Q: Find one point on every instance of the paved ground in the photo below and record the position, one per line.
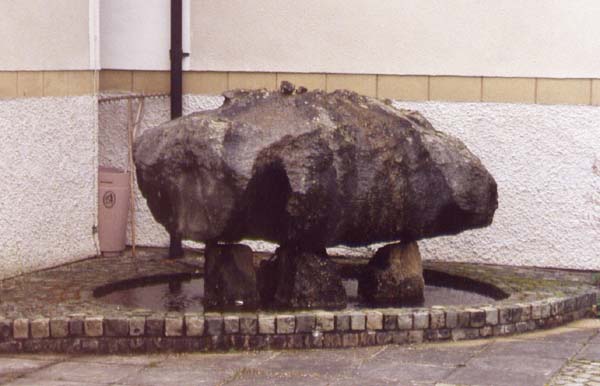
(568, 355)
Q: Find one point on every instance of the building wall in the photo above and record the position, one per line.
(136, 34)
(514, 80)
(429, 52)
(509, 38)
(546, 161)
(48, 133)
(48, 159)
(48, 35)
(544, 38)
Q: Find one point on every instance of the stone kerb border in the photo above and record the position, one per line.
(319, 329)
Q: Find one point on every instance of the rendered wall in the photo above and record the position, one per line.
(546, 161)
(136, 34)
(48, 132)
(543, 158)
(47, 35)
(533, 38)
(48, 162)
(544, 38)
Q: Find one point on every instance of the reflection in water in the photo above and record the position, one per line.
(176, 295)
(186, 295)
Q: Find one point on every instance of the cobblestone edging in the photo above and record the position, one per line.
(244, 331)
(56, 311)
(578, 372)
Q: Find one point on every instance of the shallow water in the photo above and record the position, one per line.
(186, 295)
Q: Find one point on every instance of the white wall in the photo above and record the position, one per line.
(533, 38)
(48, 163)
(546, 161)
(48, 145)
(543, 38)
(47, 35)
(136, 34)
(541, 156)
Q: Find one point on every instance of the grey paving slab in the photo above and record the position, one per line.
(318, 362)
(388, 372)
(39, 357)
(196, 369)
(446, 356)
(358, 381)
(29, 382)
(151, 376)
(535, 349)
(227, 361)
(596, 338)
(6, 379)
(98, 373)
(561, 334)
(15, 366)
(496, 377)
(516, 363)
(278, 379)
(141, 360)
(590, 352)
(500, 370)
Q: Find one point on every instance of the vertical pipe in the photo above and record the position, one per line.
(176, 58)
(177, 55)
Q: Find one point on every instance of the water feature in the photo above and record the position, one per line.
(181, 293)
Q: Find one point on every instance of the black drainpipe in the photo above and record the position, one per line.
(177, 55)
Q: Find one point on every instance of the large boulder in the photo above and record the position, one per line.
(307, 170)
(311, 168)
(394, 276)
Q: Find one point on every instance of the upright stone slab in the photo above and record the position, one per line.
(229, 277)
(297, 279)
(394, 276)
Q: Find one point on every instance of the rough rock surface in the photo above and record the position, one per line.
(296, 278)
(308, 170)
(394, 276)
(314, 168)
(229, 277)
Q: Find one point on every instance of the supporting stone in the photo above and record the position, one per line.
(300, 279)
(175, 246)
(394, 276)
(229, 278)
